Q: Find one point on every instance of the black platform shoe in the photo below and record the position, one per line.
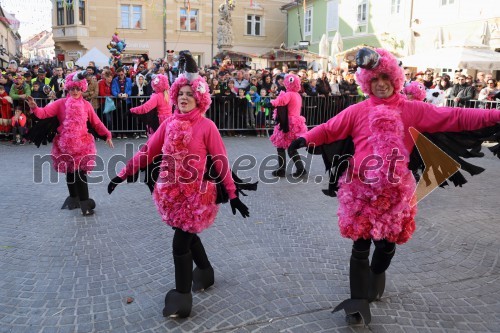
(202, 278)
(279, 173)
(179, 301)
(177, 304)
(87, 207)
(71, 203)
(357, 308)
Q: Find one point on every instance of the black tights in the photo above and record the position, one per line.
(77, 185)
(382, 256)
(184, 242)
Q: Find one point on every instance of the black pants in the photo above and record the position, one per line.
(77, 185)
(185, 242)
(382, 256)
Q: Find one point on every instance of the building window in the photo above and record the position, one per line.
(70, 12)
(254, 26)
(308, 21)
(333, 15)
(131, 17)
(81, 12)
(362, 12)
(447, 2)
(60, 12)
(395, 7)
(362, 17)
(189, 20)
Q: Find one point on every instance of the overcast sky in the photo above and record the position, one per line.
(34, 15)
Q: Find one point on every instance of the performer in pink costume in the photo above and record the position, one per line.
(414, 91)
(158, 100)
(185, 200)
(377, 203)
(290, 125)
(73, 149)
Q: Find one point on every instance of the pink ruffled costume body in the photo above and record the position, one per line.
(386, 208)
(183, 198)
(296, 122)
(158, 101)
(73, 147)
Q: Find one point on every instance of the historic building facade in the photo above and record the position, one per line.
(154, 26)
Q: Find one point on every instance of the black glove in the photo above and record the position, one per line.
(297, 144)
(236, 204)
(114, 183)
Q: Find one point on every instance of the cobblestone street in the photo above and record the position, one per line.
(281, 270)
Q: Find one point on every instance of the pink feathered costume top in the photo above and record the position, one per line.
(73, 147)
(157, 100)
(385, 209)
(183, 198)
(296, 123)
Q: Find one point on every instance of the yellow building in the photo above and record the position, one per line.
(154, 26)
(10, 40)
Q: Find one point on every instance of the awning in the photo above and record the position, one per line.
(455, 58)
(289, 54)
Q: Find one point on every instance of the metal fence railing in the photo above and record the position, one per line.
(234, 115)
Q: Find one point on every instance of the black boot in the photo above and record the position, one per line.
(179, 301)
(300, 171)
(87, 205)
(281, 171)
(380, 262)
(377, 286)
(357, 308)
(71, 202)
(203, 274)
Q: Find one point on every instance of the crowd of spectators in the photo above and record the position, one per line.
(239, 95)
(464, 90)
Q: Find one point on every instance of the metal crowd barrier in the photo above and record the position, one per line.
(233, 115)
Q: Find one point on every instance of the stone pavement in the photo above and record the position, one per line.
(281, 270)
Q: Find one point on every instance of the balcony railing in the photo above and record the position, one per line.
(70, 32)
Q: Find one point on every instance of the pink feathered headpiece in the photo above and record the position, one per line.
(160, 83)
(415, 91)
(80, 83)
(292, 82)
(371, 63)
(200, 90)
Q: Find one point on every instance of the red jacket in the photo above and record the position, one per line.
(104, 89)
(21, 121)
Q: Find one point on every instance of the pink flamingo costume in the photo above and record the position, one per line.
(282, 137)
(73, 149)
(185, 200)
(159, 100)
(378, 203)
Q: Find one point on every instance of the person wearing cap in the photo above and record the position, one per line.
(73, 149)
(20, 90)
(253, 98)
(377, 203)
(41, 77)
(185, 199)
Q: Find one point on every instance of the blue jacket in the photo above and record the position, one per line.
(115, 88)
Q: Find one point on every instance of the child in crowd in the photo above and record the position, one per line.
(241, 105)
(5, 112)
(261, 113)
(253, 98)
(273, 92)
(18, 123)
